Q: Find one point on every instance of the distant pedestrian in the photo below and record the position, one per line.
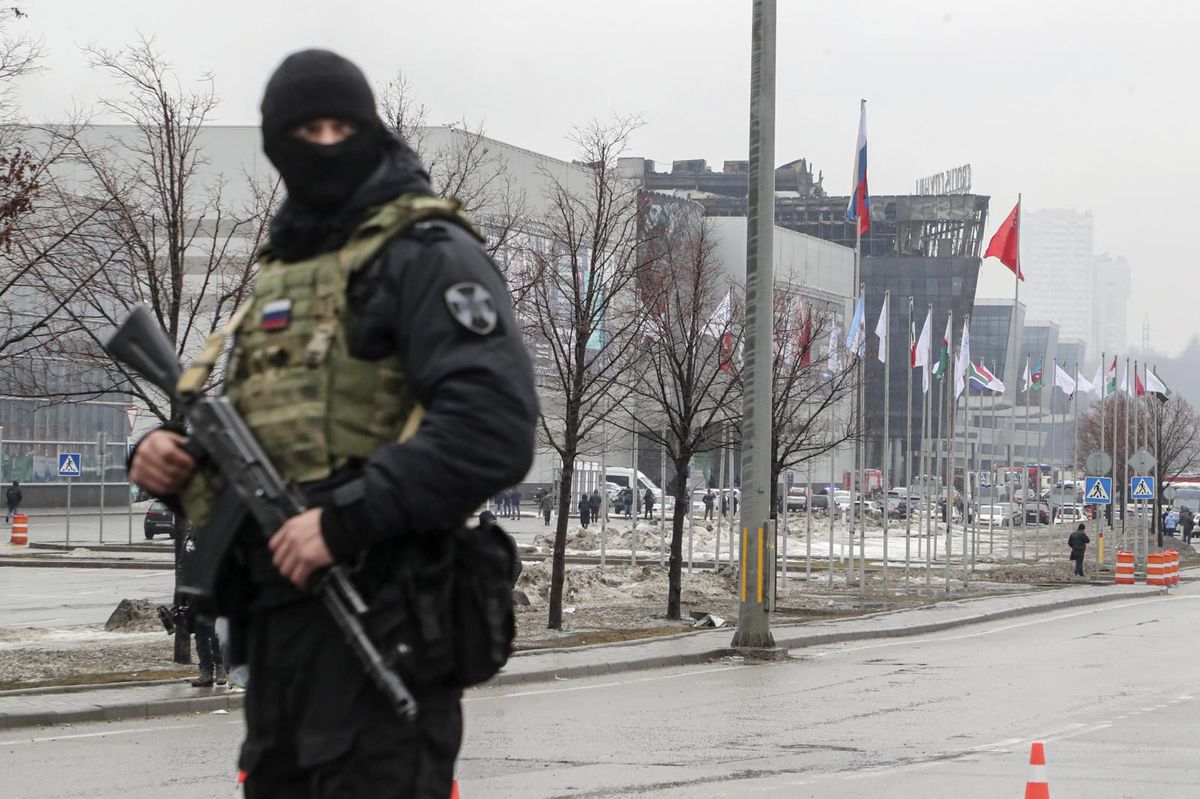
(13, 497)
(710, 500)
(1188, 522)
(1078, 543)
(585, 510)
(648, 503)
(547, 507)
(596, 503)
(1170, 522)
(208, 650)
(516, 503)
(627, 502)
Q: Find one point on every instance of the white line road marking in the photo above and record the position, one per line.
(97, 734)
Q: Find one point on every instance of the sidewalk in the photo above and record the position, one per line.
(146, 700)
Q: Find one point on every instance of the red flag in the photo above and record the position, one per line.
(806, 338)
(1138, 385)
(726, 356)
(1005, 244)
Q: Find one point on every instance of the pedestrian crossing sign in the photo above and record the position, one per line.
(1141, 487)
(1097, 490)
(69, 464)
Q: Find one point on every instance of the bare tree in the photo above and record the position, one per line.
(1174, 426)
(469, 168)
(159, 230)
(688, 379)
(807, 386)
(586, 315)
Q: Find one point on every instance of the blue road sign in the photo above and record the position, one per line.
(1097, 490)
(69, 464)
(1141, 487)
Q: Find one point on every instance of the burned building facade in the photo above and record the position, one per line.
(926, 248)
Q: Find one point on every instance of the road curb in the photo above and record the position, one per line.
(124, 710)
(32, 562)
(227, 700)
(797, 642)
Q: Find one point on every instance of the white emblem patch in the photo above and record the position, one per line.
(472, 307)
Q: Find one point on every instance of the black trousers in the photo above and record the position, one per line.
(1079, 567)
(317, 728)
(208, 647)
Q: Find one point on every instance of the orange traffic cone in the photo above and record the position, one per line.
(454, 789)
(1037, 787)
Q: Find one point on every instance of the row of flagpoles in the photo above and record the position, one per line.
(1005, 247)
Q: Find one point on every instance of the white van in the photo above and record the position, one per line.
(623, 475)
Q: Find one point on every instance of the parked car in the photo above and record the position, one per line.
(999, 514)
(869, 507)
(898, 507)
(1070, 514)
(1037, 514)
(841, 500)
(797, 499)
(820, 502)
(159, 521)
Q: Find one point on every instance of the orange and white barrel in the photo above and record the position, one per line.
(1172, 573)
(20, 530)
(1124, 574)
(1154, 568)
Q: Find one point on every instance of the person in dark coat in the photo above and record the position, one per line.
(585, 511)
(648, 503)
(1078, 543)
(1188, 522)
(547, 506)
(12, 499)
(710, 499)
(596, 503)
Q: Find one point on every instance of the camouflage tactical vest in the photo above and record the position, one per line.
(310, 403)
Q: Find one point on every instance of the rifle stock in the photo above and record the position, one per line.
(253, 485)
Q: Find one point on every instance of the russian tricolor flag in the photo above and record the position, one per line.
(859, 209)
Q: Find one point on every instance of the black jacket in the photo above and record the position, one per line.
(477, 391)
(1078, 543)
(13, 495)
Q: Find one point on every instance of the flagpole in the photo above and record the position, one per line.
(992, 477)
(1115, 432)
(852, 511)
(1053, 451)
(908, 455)
(927, 457)
(861, 508)
(887, 415)
(1129, 386)
(1137, 427)
(966, 432)
(1103, 448)
(952, 407)
(1025, 469)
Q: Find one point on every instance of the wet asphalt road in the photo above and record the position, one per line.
(1110, 689)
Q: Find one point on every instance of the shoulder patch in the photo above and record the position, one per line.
(473, 307)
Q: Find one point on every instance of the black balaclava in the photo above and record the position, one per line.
(315, 84)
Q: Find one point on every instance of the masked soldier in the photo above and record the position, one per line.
(380, 367)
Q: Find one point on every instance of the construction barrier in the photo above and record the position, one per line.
(1037, 787)
(1124, 574)
(1171, 572)
(1155, 568)
(20, 530)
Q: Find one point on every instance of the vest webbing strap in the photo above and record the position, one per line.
(192, 381)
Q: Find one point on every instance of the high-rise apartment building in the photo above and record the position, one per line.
(1057, 259)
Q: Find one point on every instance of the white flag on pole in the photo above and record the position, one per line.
(881, 330)
(1025, 378)
(718, 323)
(1064, 380)
(1083, 385)
(921, 358)
(835, 352)
(1098, 381)
(963, 363)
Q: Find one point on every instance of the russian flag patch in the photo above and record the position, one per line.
(276, 315)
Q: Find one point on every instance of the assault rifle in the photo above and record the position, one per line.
(219, 436)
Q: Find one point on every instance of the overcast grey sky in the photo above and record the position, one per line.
(1077, 104)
